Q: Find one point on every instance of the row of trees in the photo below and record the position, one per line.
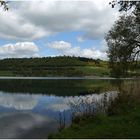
(47, 66)
(123, 39)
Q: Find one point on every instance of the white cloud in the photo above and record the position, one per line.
(13, 122)
(18, 101)
(59, 45)
(20, 49)
(13, 26)
(67, 49)
(59, 105)
(32, 20)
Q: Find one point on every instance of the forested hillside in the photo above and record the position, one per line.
(53, 66)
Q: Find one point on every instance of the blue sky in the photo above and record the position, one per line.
(75, 28)
(71, 37)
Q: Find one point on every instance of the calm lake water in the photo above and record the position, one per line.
(30, 108)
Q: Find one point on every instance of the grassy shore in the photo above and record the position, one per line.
(103, 126)
(122, 119)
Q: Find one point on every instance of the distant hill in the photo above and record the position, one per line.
(53, 66)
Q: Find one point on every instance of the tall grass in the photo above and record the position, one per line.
(110, 103)
(61, 121)
(83, 107)
(127, 99)
(89, 106)
(110, 116)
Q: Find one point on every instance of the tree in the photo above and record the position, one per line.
(127, 5)
(124, 39)
(124, 5)
(4, 5)
(122, 47)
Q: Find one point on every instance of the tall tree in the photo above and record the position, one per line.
(126, 6)
(124, 38)
(121, 47)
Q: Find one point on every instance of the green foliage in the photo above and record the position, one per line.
(124, 5)
(6, 73)
(53, 66)
(122, 47)
(124, 39)
(94, 70)
(122, 105)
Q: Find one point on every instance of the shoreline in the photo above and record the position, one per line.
(67, 78)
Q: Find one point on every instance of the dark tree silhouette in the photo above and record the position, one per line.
(4, 5)
(124, 5)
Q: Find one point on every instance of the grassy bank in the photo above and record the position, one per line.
(121, 120)
(103, 126)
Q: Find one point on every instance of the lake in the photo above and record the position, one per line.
(31, 107)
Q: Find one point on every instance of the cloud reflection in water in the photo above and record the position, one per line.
(18, 101)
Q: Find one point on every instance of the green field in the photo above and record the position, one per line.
(6, 73)
(94, 70)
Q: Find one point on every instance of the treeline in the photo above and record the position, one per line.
(46, 66)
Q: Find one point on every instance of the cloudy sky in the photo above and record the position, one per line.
(52, 28)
